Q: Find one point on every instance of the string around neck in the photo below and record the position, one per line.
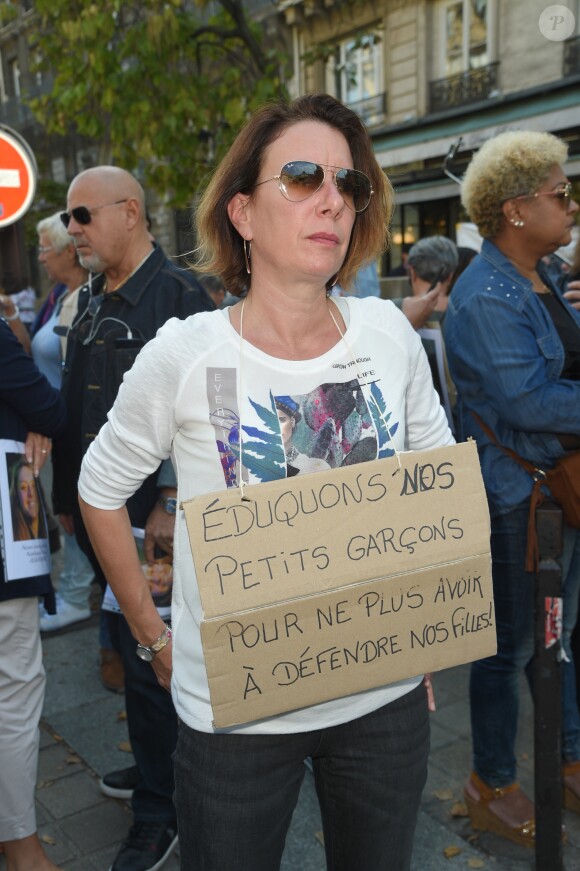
(240, 429)
(358, 374)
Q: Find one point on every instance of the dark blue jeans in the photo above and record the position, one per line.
(235, 794)
(152, 725)
(495, 681)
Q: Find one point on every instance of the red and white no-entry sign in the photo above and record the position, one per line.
(17, 176)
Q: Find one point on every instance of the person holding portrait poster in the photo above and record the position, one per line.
(31, 414)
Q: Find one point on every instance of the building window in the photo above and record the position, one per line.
(466, 36)
(15, 71)
(58, 170)
(38, 76)
(466, 70)
(354, 74)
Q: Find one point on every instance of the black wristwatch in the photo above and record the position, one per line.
(169, 504)
(147, 654)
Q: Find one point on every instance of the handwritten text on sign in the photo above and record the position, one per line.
(327, 584)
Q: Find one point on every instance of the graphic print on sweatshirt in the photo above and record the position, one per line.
(334, 425)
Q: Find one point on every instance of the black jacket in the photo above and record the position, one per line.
(105, 337)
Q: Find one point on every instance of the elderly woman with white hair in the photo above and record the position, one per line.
(513, 344)
(57, 253)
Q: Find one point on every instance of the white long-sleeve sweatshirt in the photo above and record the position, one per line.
(188, 394)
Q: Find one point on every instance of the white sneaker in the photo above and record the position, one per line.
(65, 615)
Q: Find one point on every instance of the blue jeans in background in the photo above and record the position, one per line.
(495, 681)
(75, 579)
(235, 794)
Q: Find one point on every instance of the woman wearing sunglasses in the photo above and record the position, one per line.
(513, 345)
(298, 203)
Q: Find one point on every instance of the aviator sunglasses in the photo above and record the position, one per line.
(301, 179)
(83, 215)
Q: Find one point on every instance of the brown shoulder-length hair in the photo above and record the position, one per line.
(220, 247)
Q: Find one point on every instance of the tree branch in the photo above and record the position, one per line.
(236, 10)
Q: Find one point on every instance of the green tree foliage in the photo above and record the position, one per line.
(161, 85)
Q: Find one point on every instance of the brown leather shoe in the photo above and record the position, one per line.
(571, 798)
(486, 820)
(112, 671)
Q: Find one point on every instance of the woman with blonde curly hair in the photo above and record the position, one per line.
(298, 203)
(513, 343)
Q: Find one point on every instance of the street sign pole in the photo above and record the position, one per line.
(547, 690)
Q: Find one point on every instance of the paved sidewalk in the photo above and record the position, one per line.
(83, 735)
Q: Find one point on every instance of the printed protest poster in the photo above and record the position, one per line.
(23, 529)
(159, 575)
(324, 585)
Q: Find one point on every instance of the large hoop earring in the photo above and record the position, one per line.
(247, 254)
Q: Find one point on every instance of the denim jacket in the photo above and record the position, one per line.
(506, 358)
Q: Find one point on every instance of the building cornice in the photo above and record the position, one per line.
(430, 136)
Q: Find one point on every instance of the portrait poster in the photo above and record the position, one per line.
(23, 529)
(433, 343)
(159, 575)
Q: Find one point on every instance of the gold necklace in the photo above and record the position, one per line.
(117, 286)
(537, 284)
(127, 277)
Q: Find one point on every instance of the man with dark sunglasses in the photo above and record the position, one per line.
(133, 289)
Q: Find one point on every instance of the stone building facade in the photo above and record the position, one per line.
(423, 73)
(420, 73)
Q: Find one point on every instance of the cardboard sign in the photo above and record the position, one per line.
(324, 585)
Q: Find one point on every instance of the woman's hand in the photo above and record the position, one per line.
(7, 307)
(430, 694)
(37, 450)
(163, 666)
(418, 309)
(572, 294)
(8, 310)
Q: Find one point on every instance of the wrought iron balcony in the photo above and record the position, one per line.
(572, 56)
(372, 111)
(469, 87)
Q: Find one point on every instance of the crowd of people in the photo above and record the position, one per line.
(115, 383)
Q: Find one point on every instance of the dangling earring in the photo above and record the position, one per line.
(330, 284)
(247, 254)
